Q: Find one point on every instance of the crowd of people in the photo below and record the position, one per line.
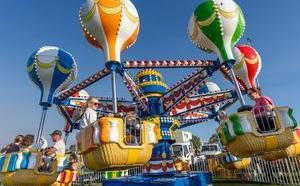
(25, 143)
(21, 143)
(85, 117)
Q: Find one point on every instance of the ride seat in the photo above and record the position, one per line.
(240, 133)
(103, 144)
(21, 168)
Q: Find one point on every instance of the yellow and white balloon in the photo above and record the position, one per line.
(110, 25)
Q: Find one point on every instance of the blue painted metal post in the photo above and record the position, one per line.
(114, 91)
(229, 64)
(114, 67)
(41, 125)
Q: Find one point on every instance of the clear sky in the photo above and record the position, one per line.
(27, 25)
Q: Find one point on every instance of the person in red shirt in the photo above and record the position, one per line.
(262, 110)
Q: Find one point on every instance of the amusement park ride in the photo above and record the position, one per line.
(157, 110)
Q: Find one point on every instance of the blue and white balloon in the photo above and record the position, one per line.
(209, 87)
(52, 70)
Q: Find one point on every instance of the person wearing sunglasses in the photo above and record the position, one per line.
(90, 112)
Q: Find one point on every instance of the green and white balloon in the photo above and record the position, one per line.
(216, 26)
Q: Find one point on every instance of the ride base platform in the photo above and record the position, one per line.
(189, 179)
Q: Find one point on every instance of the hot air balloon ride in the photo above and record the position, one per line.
(158, 110)
(113, 26)
(247, 67)
(216, 26)
(241, 133)
(52, 70)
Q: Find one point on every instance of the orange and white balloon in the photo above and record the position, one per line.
(110, 25)
(248, 65)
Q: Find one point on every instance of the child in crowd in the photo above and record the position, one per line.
(27, 143)
(72, 163)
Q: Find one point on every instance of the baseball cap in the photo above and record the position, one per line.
(58, 132)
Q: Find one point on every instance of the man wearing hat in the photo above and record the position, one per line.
(57, 150)
(58, 146)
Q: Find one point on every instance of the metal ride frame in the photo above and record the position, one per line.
(180, 102)
(181, 93)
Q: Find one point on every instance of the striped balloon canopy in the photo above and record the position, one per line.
(110, 25)
(216, 26)
(52, 70)
(209, 87)
(248, 65)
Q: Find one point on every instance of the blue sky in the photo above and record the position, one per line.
(27, 25)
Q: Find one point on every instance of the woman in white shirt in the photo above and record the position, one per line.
(90, 113)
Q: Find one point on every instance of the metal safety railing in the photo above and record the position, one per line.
(265, 119)
(132, 131)
(282, 172)
(89, 178)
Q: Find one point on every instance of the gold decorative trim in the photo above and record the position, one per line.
(207, 21)
(229, 15)
(252, 61)
(153, 83)
(153, 95)
(62, 69)
(111, 11)
(131, 17)
(195, 31)
(51, 64)
(239, 65)
(147, 73)
(107, 10)
(46, 65)
(90, 14)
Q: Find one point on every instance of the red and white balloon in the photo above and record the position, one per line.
(248, 65)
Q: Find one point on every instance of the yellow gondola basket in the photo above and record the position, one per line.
(240, 133)
(231, 162)
(13, 174)
(292, 151)
(103, 146)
